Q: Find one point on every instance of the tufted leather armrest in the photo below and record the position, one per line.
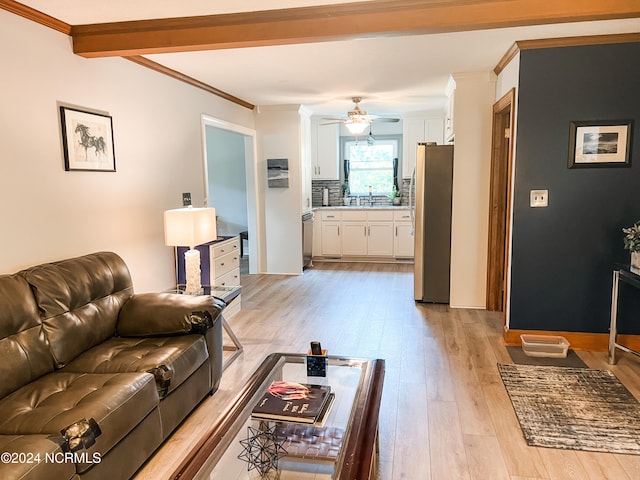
(153, 314)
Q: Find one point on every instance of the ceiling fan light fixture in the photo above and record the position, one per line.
(356, 127)
(357, 119)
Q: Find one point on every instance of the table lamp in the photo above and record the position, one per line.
(190, 227)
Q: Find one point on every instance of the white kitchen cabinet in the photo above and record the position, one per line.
(331, 245)
(325, 150)
(330, 233)
(352, 233)
(367, 232)
(373, 239)
(380, 239)
(449, 130)
(354, 238)
(380, 232)
(403, 234)
(418, 130)
(306, 167)
(354, 227)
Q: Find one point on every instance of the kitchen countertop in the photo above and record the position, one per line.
(363, 207)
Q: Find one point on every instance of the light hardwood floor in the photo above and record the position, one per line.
(445, 414)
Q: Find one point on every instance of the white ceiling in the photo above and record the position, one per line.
(394, 75)
(79, 12)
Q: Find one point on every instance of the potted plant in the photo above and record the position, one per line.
(395, 196)
(345, 193)
(632, 242)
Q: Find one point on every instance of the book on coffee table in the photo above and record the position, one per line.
(293, 402)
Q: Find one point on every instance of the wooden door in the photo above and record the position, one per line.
(500, 201)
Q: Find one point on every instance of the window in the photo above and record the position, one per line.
(371, 164)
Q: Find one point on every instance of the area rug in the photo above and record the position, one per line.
(573, 408)
(572, 359)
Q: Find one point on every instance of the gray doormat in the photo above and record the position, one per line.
(572, 359)
(573, 408)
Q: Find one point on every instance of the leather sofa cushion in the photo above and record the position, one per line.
(40, 459)
(79, 300)
(25, 353)
(118, 402)
(150, 314)
(180, 355)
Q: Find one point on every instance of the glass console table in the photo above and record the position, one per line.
(631, 276)
(357, 385)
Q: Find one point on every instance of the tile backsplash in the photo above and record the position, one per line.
(335, 194)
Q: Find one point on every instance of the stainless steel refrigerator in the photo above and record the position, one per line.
(431, 214)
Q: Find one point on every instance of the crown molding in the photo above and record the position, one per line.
(145, 62)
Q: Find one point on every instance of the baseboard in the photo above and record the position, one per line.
(363, 259)
(595, 342)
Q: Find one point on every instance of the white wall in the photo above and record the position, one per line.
(474, 99)
(507, 79)
(278, 129)
(49, 214)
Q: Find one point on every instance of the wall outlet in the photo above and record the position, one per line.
(186, 199)
(539, 198)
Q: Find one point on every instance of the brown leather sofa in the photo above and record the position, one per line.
(94, 377)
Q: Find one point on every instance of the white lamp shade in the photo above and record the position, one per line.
(356, 127)
(190, 226)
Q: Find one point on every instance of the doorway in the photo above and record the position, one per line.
(230, 186)
(500, 202)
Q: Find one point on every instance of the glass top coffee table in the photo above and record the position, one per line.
(350, 426)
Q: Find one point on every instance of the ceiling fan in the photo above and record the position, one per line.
(357, 119)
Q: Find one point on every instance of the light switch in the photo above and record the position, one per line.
(539, 198)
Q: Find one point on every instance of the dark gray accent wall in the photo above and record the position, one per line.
(563, 255)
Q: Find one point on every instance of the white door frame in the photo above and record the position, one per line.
(254, 210)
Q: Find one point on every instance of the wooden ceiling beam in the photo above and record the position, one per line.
(334, 22)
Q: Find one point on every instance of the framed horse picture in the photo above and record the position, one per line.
(87, 140)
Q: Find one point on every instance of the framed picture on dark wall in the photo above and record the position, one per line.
(87, 140)
(600, 144)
